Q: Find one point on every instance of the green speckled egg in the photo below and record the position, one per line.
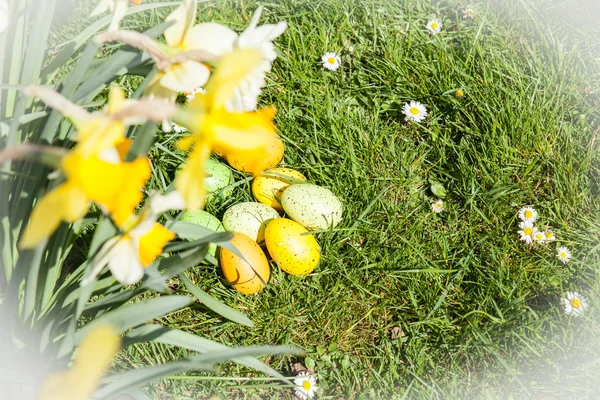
(249, 218)
(206, 220)
(312, 206)
(218, 176)
(296, 252)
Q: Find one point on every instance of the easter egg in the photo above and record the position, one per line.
(267, 189)
(206, 220)
(314, 207)
(248, 276)
(218, 176)
(295, 253)
(249, 218)
(256, 161)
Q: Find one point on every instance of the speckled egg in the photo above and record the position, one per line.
(206, 220)
(257, 161)
(218, 176)
(295, 253)
(248, 276)
(249, 218)
(267, 188)
(314, 207)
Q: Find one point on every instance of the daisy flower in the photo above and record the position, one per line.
(177, 128)
(192, 95)
(331, 61)
(574, 304)
(563, 254)
(305, 386)
(437, 206)
(467, 13)
(460, 93)
(527, 214)
(550, 236)
(434, 26)
(539, 236)
(414, 111)
(527, 231)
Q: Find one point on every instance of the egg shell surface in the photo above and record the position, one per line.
(267, 189)
(248, 276)
(218, 176)
(314, 207)
(206, 220)
(294, 251)
(258, 160)
(249, 218)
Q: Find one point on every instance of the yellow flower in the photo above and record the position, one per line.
(82, 379)
(114, 187)
(214, 128)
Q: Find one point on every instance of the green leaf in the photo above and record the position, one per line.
(310, 363)
(437, 189)
(136, 314)
(215, 304)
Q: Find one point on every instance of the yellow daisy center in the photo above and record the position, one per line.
(414, 110)
(434, 26)
(306, 385)
(528, 214)
(549, 235)
(563, 254)
(576, 303)
(331, 60)
(539, 236)
(528, 231)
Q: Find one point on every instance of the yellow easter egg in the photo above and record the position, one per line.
(267, 188)
(294, 251)
(256, 161)
(248, 276)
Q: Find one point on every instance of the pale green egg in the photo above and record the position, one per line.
(249, 218)
(206, 220)
(218, 177)
(312, 206)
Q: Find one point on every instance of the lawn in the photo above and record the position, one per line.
(407, 303)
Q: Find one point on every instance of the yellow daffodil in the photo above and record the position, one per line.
(93, 358)
(140, 243)
(116, 187)
(214, 128)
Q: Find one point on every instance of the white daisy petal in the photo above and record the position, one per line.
(563, 254)
(331, 61)
(527, 231)
(434, 26)
(528, 214)
(437, 206)
(467, 13)
(306, 387)
(574, 304)
(414, 111)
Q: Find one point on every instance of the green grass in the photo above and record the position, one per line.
(406, 303)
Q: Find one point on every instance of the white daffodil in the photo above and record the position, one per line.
(4, 15)
(305, 386)
(527, 231)
(331, 61)
(437, 206)
(142, 240)
(563, 254)
(528, 214)
(434, 26)
(414, 111)
(574, 304)
(117, 7)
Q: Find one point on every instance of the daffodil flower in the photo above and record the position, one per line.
(117, 7)
(216, 129)
(142, 240)
(93, 359)
(4, 15)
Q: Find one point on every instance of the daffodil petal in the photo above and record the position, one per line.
(152, 243)
(233, 68)
(185, 77)
(120, 7)
(67, 203)
(93, 358)
(98, 135)
(102, 7)
(211, 37)
(125, 263)
(184, 17)
(116, 99)
(104, 255)
(241, 131)
(190, 180)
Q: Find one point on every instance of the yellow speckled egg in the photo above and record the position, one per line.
(267, 188)
(258, 160)
(312, 206)
(247, 276)
(295, 253)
